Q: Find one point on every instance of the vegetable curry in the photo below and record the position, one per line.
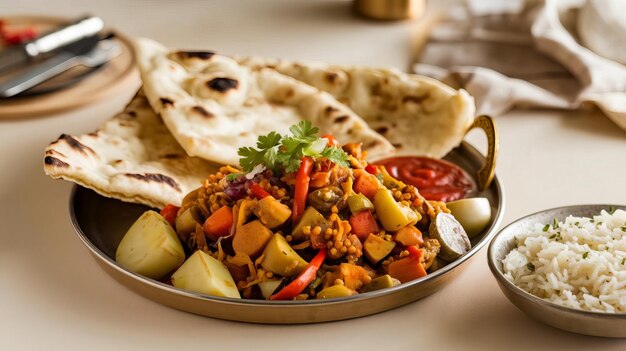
(301, 218)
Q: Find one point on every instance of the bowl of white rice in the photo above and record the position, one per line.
(566, 267)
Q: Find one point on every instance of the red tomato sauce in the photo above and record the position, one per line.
(435, 179)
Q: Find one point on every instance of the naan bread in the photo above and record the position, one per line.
(418, 115)
(132, 157)
(212, 105)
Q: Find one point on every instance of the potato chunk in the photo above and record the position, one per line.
(377, 248)
(150, 247)
(204, 274)
(272, 212)
(280, 258)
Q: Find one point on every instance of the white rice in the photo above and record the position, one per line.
(580, 263)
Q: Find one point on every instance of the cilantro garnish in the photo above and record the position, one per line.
(546, 227)
(276, 152)
(530, 266)
(586, 254)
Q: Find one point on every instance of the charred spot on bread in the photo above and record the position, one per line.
(222, 84)
(171, 156)
(330, 109)
(155, 177)
(54, 152)
(382, 130)
(93, 134)
(53, 161)
(372, 144)
(331, 77)
(397, 145)
(415, 99)
(202, 111)
(166, 102)
(202, 55)
(75, 144)
(132, 113)
(341, 119)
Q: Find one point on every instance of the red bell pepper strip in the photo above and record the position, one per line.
(169, 212)
(331, 140)
(258, 191)
(302, 188)
(305, 278)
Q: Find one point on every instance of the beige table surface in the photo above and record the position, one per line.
(54, 296)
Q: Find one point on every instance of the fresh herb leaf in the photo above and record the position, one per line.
(268, 141)
(577, 224)
(552, 236)
(546, 227)
(612, 209)
(624, 229)
(250, 157)
(530, 266)
(586, 254)
(278, 152)
(336, 155)
(623, 260)
(304, 131)
(555, 224)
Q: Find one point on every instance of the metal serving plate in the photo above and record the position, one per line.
(562, 317)
(91, 215)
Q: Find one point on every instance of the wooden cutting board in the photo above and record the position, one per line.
(116, 76)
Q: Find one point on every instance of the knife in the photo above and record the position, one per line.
(49, 42)
(88, 52)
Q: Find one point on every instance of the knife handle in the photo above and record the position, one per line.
(38, 74)
(83, 28)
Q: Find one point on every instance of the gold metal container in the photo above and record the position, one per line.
(390, 10)
(91, 215)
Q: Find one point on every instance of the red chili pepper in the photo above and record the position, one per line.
(169, 212)
(331, 140)
(371, 169)
(305, 278)
(258, 191)
(302, 188)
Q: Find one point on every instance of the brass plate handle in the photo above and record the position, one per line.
(484, 176)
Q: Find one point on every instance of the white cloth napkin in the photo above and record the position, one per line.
(523, 54)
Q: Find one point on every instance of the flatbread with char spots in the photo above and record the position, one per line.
(418, 115)
(132, 157)
(212, 105)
